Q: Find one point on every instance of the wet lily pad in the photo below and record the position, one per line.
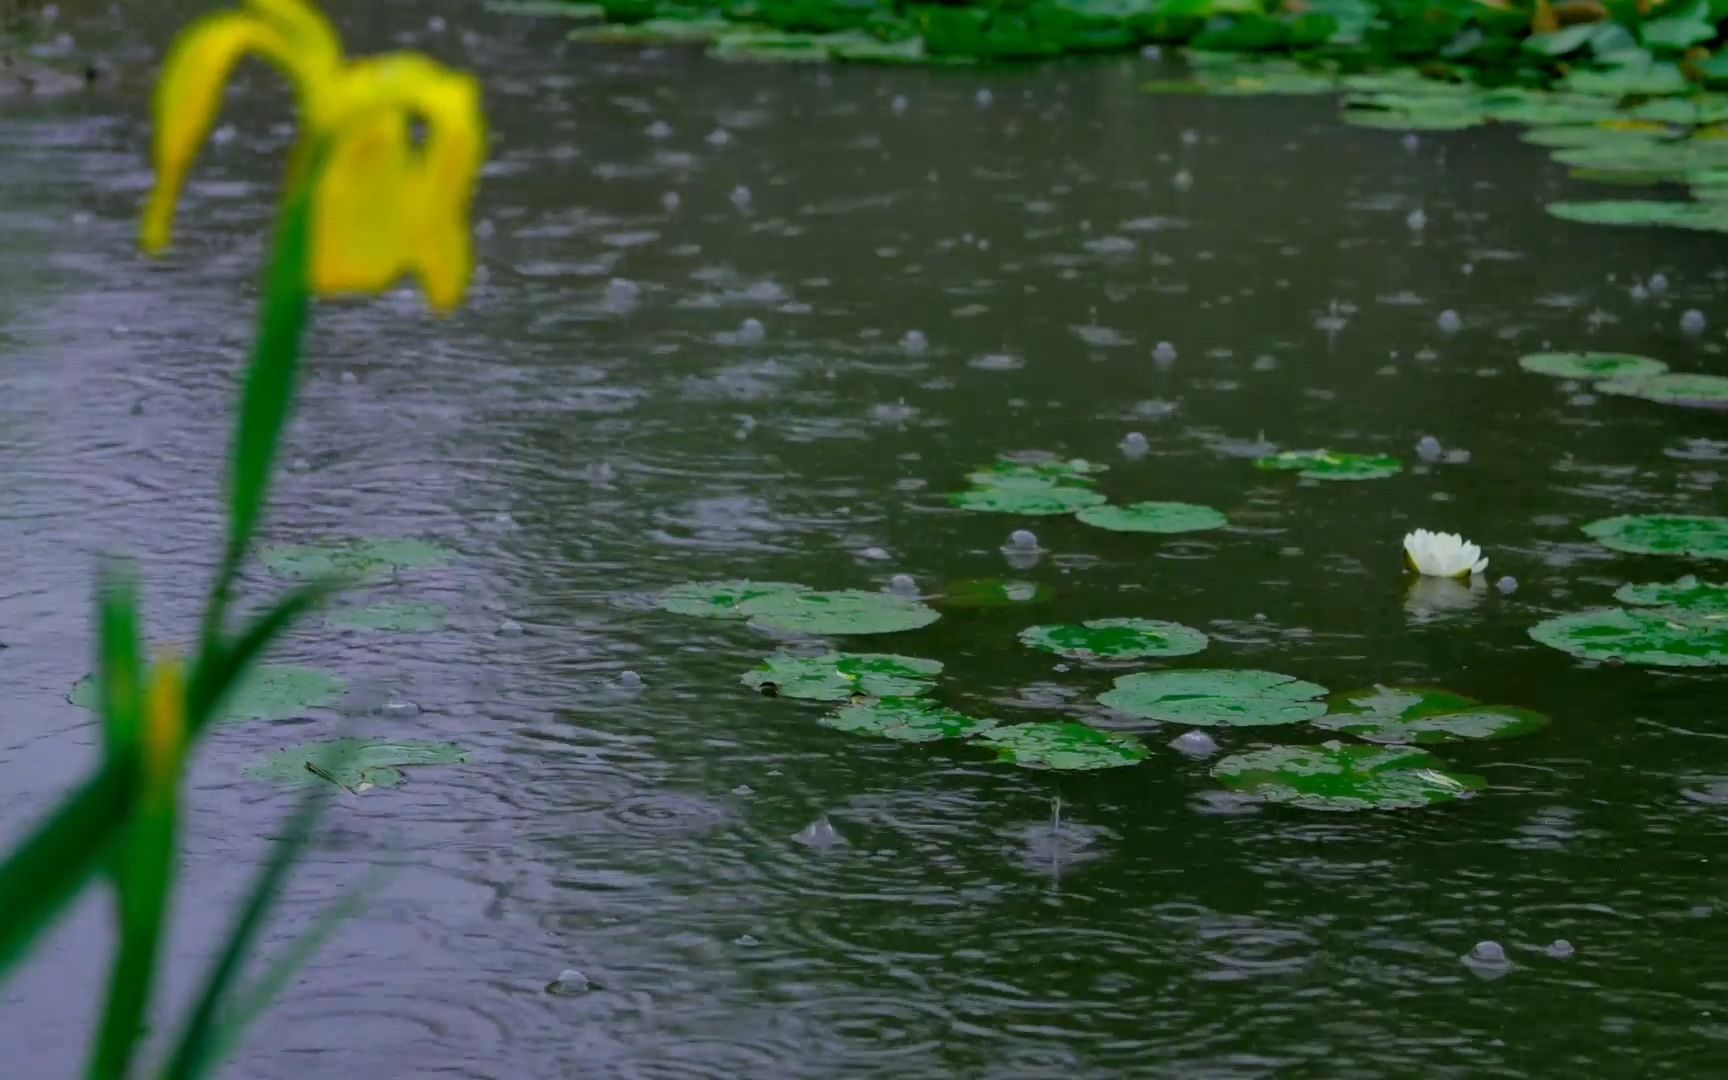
(1661, 637)
(848, 611)
(1115, 639)
(408, 618)
(654, 32)
(1385, 714)
(1591, 365)
(1329, 465)
(1154, 517)
(1208, 697)
(265, 692)
(1664, 534)
(1049, 470)
(1673, 388)
(356, 765)
(843, 676)
(1032, 499)
(721, 599)
(1686, 594)
(363, 559)
(1335, 776)
(1064, 747)
(1702, 217)
(990, 593)
(906, 720)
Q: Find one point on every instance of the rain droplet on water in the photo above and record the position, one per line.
(1449, 322)
(914, 343)
(1639, 293)
(399, 710)
(740, 196)
(622, 294)
(629, 680)
(509, 628)
(569, 981)
(1561, 949)
(1190, 137)
(1487, 959)
(1152, 52)
(1164, 352)
(1692, 322)
(984, 97)
(670, 200)
(1428, 448)
(1022, 539)
(751, 331)
(1417, 220)
(874, 553)
(902, 585)
(1183, 180)
(819, 834)
(1194, 744)
(659, 129)
(1411, 142)
(1658, 284)
(899, 104)
(1507, 585)
(719, 137)
(1134, 444)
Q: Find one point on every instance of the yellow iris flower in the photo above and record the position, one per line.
(382, 205)
(164, 723)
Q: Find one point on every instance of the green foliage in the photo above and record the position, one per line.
(905, 720)
(844, 676)
(1330, 465)
(1208, 697)
(1115, 639)
(1063, 747)
(1336, 776)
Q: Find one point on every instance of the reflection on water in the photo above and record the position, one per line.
(769, 355)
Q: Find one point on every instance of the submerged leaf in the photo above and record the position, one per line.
(1154, 517)
(1334, 776)
(1115, 639)
(905, 720)
(1327, 465)
(409, 618)
(721, 599)
(848, 611)
(1591, 365)
(1662, 637)
(1696, 535)
(355, 559)
(841, 676)
(1064, 747)
(353, 764)
(1207, 697)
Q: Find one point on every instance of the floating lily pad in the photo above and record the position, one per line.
(356, 559)
(842, 676)
(409, 618)
(1673, 388)
(1115, 639)
(1066, 747)
(1386, 714)
(265, 692)
(1662, 637)
(905, 720)
(848, 611)
(755, 44)
(1591, 365)
(1031, 499)
(354, 764)
(1686, 594)
(1207, 697)
(1334, 776)
(991, 592)
(1049, 470)
(1328, 465)
(1664, 534)
(1701, 217)
(655, 32)
(1154, 517)
(721, 599)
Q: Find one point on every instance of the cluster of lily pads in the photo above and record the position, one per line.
(276, 692)
(1035, 486)
(892, 696)
(1629, 375)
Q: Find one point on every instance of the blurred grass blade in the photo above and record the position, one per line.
(144, 875)
(220, 664)
(118, 664)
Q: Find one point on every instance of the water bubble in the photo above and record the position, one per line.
(629, 680)
(503, 520)
(1639, 293)
(1487, 960)
(1190, 137)
(659, 129)
(1561, 949)
(1417, 220)
(819, 834)
(743, 789)
(1507, 585)
(1428, 448)
(751, 331)
(876, 553)
(349, 378)
(437, 25)
(747, 940)
(622, 294)
(1022, 539)
(1194, 744)
(670, 200)
(984, 97)
(1152, 52)
(299, 464)
(1658, 284)
(902, 585)
(1692, 322)
(719, 137)
(899, 104)
(1411, 142)
(741, 197)
(1183, 180)
(914, 343)
(569, 981)
(1449, 322)
(509, 628)
(1164, 352)
(399, 710)
(1134, 444)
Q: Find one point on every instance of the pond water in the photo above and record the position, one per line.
(583, 444)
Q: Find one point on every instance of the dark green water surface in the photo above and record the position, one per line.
(583, 445)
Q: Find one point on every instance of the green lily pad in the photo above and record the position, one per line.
(721, 599)
(1696, 535)
(1672, 388)
(1386, 714)
(546, 9)
(354, 764)
(1662, 637)
(991, 593)
(1207, 697)
(1327, 465)
(1687, 594)
(1591, 365)
(363, 559)
(409, 618)
(1154, 517)
(1335, 776)
(848, 611)
(1703, 217)
(757, 44)
(1030, 499)
(1064, 747)
(1115, 639)
(905, 720)
(654, 32)
(843, 676)
(1048, 470)
(265, 692)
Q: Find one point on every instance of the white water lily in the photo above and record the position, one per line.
(1433, 554)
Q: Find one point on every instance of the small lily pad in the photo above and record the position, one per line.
(843, 676)
(1115, 639)
(1386, 714)
(1701, 217)
(721, 599)
(1661, 637)
(1591, 365)
(1154, 517)
(1686, 594)
(1696, 535)
(1329, 465)
(848, 611)
(356, 765)
(265, 692)
(1672, 388)
(1207, 697)
(1065, 747)
(1334, 776)
(905, 720)
(408, 618)
(1038, 499)
(364, 559)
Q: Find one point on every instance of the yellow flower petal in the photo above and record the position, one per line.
(164, 725)
(358, 213)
